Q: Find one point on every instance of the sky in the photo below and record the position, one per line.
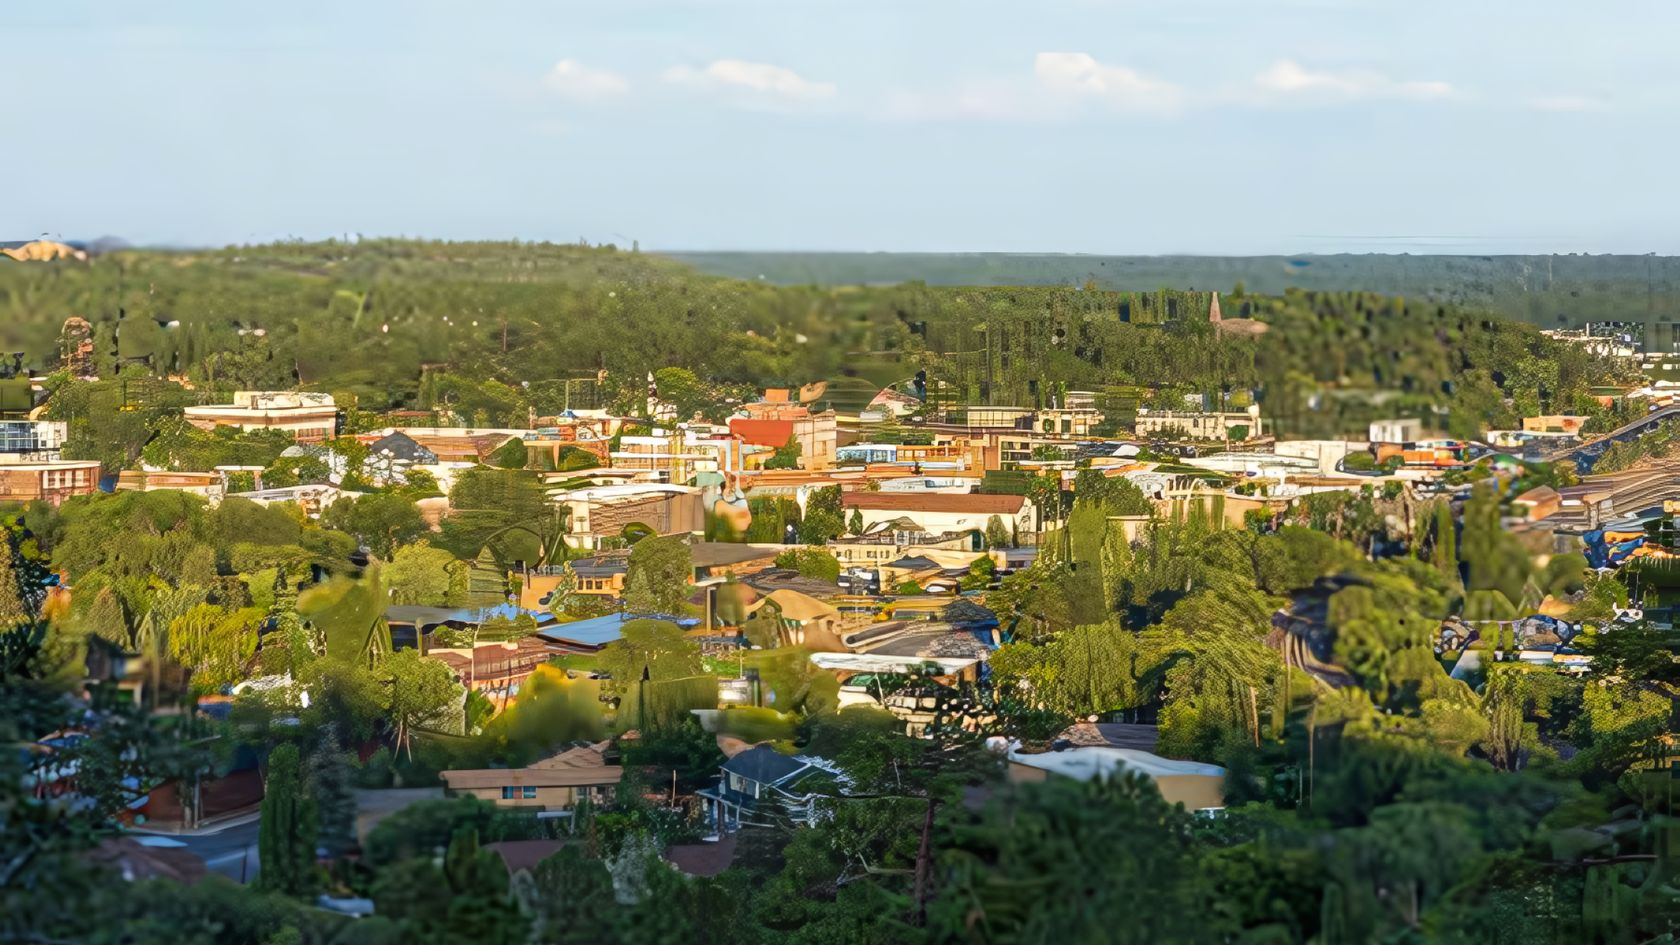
(1088, 126)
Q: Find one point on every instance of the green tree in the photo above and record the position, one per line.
(811, 562)
(786, 456)
(380, 521)
(510, 455)
(824, 520)
(655, 648)
(286, 839)
(430, 577)
(420, 692)
(657, 579)
(997, 533)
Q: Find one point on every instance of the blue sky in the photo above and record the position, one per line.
(1100, 126)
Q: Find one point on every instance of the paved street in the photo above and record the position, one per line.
(228, 848)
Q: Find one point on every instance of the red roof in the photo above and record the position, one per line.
(772, 433)
(974, 503)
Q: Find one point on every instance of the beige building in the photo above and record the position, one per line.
(53, 480)
(206, 484)
(1195, 785)
(556, 783)
(1197, 425)
(305, 415)
(940, 512)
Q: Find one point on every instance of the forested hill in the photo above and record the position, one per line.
(495, 331)
(1550, 291)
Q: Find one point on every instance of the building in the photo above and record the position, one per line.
(601, 513)
(207, 484)
(794, 619)
(817, 434)
(32, 439)
(757, 780)
(1555, 423)
(52, 480)
(1195, 785)
(1004, 418)
(1197, 425)
(940, 512)
(1396, 431)
(307, 416)
(557, 783)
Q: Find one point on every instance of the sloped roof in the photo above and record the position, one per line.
(402, 446)
(797, 606)
(973, 503)
(772, 433)
(765, 765)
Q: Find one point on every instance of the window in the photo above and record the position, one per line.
(530, 792)
(526, 792)
(507, 793)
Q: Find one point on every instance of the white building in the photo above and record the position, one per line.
(303, 414)
(1396, 431)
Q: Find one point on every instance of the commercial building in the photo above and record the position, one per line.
(1197, 425)
(307, 416)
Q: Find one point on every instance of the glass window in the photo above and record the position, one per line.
(530, 793)
(507, 793)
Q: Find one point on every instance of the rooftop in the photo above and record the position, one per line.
(973, 503)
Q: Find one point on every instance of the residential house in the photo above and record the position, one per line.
(1195, 785)
(759, 786)
(600, 575)
(557, 783)
(307, 416)
(795, 619)
(939, 513)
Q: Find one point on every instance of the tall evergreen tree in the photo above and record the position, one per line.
(286, 838)
(12, 609)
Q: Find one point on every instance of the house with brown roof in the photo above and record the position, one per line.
(940, 512)
(556, 783)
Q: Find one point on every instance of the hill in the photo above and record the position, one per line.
(1549, 291)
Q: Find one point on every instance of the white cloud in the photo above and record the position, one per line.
(1566, 103)
(1119, 86)
(761, 81)
(572, 79)
(1288, 80)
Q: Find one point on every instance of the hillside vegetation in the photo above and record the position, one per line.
(496, 330)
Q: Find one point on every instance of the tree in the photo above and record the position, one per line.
(811, 562)
(823, 521)
(420, 690)
(12, 610)
(510, 455)
(657, 579)
(854, 525)
(330, 790)
(654, 648)
(570, 900)
(381, 521)
(427, 576)
(997, 533)
(786, 456)
(286, 838)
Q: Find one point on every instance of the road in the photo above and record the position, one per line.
(229, 849)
